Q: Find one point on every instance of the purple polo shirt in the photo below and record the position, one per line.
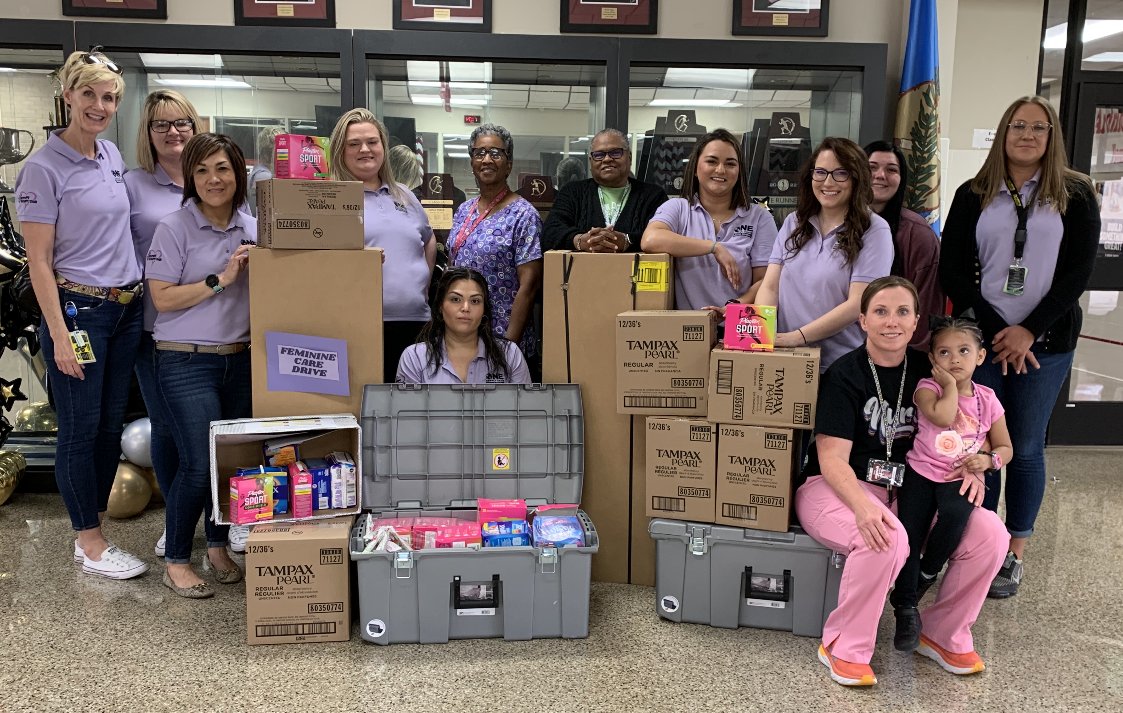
(994, 234)
(401, 229)
(816, 280)
(413, 367)
(153, 197)
(185, 249)
(748, 235)
(86, 200)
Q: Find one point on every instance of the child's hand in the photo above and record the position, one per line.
(976, 463)
(942, 376)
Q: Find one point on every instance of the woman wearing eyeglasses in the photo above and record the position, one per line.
(1029, 226)
(499, 234)
(827, 251)
(74, 210)
(394, 221)
(155, 189)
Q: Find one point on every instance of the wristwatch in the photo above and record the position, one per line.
(995, 459)
(627, 241)
(212, 282)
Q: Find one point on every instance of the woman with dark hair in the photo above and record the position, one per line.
(720, 238)
(196, 271)
(827, 251)
(916, 247)
(458, 346)
(1029, 226)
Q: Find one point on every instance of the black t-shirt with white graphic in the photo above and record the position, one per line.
(849, 408)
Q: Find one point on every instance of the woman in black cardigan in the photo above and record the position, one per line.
(1017, 253)
(608, 212)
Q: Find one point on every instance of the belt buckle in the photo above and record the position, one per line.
(123, 296)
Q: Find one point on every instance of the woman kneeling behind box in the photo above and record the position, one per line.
(196, 273)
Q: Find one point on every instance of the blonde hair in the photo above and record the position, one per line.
(1057, 178)
(160, 99)
(77, 72)
(405, 166)
(265, 146)
(339, 170)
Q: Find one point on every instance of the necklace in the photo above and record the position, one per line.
(612, 210)
(888, 433)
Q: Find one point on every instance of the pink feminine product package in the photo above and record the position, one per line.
(251, 499)
(489, 510)
(463, 534)
(300, 493)
(304, 157)
(403, 526)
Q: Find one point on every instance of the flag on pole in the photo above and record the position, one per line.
(917, 131)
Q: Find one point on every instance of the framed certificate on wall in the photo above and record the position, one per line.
(458, 15)
(129, 9)
(797, 18)
(285, 13)
(617, 17)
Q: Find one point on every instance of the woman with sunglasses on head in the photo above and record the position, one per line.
(720, 239)
(499, 234)
(458, 346)
(155, 189)
(1030, 226)
(74, 210)
(827, 251)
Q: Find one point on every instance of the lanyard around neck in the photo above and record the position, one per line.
(1023, 211)
(469, 225)
(889, 433)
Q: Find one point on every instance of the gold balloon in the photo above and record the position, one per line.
(38, 416)
(12, 466)
(131, 491)
(150, 476)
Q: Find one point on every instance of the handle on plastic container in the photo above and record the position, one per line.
(751, 593)
(459, 601)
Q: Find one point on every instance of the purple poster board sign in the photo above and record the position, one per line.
(314, 365)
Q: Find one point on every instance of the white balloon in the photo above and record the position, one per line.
(136, 442)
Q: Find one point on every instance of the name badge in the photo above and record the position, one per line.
(1015, 280)
(83, 350)
(887, 473)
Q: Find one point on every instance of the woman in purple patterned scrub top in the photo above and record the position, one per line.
(499, 235)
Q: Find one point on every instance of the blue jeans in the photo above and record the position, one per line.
(198, 389)
(165, 458)
(1028, 400)
(91, 411)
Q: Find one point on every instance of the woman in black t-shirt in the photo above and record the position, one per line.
(864, 426)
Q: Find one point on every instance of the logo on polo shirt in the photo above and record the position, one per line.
(400, 207)
(155, 256)
(743, 231)
(117, 176)
(493, 377)
(27, 198)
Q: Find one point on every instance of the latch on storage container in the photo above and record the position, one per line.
(838, 559)
(403, 562)
(698, 541)
(548, 560)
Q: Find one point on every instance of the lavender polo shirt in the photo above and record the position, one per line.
(748, 236)
(86, 200)
(816, 280)
(185, 249)
(401, 229)
(994, 234)
(153, 197)
(413, 367)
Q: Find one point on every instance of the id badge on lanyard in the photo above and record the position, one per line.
(1015, 284)
(79, 339)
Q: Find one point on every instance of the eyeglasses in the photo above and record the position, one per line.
(611, 153)
(840, 175)
(1039, 128)
(495, 153)
(96, 56)
(161, 126)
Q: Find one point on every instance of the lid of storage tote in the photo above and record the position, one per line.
(441, 445)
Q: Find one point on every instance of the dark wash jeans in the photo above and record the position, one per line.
(91, 411)
(198, 389)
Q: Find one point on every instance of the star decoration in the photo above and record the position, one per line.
(10, 393)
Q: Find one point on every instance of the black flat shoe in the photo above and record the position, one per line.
(907, 636)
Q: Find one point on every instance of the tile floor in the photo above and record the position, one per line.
(70, 642)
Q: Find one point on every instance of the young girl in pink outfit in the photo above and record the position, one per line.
(955, 419)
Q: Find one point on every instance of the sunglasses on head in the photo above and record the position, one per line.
(97, 56)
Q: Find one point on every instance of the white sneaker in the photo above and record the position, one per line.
(238, 536)
(80, 554)
(115, 563)
(162, 543)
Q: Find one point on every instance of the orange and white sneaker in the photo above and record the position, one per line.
(959, 664)
(845, 672)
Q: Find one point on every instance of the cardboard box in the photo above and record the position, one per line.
(582, 294)
(754, 476)
(681, 457)
(310, 215)
(238, 443)
(750, 328)
(316, 293)
(662, 361)
(298, 582)
(301, 157)
(776, 388)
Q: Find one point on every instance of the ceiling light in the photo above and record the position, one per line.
(213, 83)
(1056, 37)
(459, 101)
(691, 102)
(1114, 57)
(184, 61)
(418, 70)
(708, 77)
(453, 85)
(7, 69)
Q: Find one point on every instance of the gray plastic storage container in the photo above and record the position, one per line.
(432, 450)
(732, 577)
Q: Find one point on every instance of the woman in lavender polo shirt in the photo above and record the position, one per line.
(155, 188)
(196, 271)
(1032, 324)
(720, 238)
(458, 346)
(827, 251)
(74, 210)
(394, 221)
